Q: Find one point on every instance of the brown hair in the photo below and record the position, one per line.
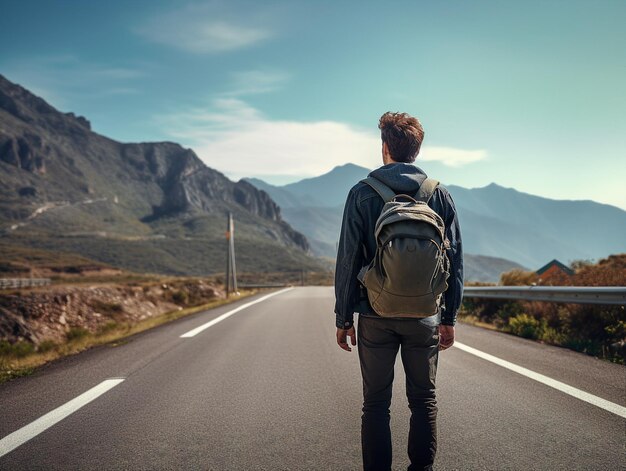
(403, 135)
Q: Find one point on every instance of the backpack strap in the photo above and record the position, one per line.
(427, 189)
(386, 193)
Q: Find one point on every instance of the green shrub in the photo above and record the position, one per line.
(507, 311)
(553, 336)
(617, 330)
(588, 346)
(180, 297)
(517, 277)
(17, 349)
(46, 346)
(525, 326)
(490, 310)
(76, 333)
(108, 309)
(5, 347)
(598, 330)
(108, 327)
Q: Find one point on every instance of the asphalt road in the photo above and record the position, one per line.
(268, 388)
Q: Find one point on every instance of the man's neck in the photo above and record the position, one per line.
(388, 160)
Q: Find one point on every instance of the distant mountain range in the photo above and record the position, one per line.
(515, 227)
(148, 207)
(156, 207)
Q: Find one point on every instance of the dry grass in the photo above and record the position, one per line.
(12, 366)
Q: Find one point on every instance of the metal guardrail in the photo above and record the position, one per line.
(9, 283)
(615, 295)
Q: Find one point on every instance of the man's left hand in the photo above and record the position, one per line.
(446, 336)
(342, 340)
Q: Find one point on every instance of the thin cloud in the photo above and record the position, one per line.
(210, 123)
(237, 139)
(118, 91)
(118, 73)
(61, 79)
(451, 156)
(203, 29)
(253, 82)
(66, 66)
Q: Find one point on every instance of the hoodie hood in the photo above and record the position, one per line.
(400, 177)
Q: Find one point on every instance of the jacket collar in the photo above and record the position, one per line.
(400, 176)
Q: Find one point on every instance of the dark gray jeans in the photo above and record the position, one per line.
(378, 343)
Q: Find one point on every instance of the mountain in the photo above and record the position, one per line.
(145, 207)
(487, 269)
(315, 205)
(498, 222)
(283, 197)
(329, 189)
(532, 230)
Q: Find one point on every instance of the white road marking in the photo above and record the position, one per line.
(566, 388)
(21, 436)
(197, 330)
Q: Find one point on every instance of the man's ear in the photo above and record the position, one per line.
(386, 155)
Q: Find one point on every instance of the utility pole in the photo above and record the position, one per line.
(231, 269)
(233, 265)
(228, 258)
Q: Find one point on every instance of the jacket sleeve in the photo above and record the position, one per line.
(454, 293)
(349, 262)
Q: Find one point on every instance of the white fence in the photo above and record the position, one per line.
(8, 283)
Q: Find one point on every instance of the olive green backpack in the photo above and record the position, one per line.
(408, 274)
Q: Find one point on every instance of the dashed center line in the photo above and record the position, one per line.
(197, 330)
(21, 436)
(26, 433)
(553, 383)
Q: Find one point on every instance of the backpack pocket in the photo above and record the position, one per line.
(439, 281)
(399, 282)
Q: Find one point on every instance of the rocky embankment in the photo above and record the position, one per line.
(55, 313)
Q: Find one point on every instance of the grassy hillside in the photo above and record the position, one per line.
(144, 207)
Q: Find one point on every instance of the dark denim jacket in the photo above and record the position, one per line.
(357, 244)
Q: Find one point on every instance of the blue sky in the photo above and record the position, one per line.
(529, 94)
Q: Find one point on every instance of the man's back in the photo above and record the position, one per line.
(357, 244)
(380, 339)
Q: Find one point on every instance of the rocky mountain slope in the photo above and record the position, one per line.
(144, 207)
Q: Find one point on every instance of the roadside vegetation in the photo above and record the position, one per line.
(598, 330)
(21, 358)
(91, 303)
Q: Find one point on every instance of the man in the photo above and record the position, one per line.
(379, 339)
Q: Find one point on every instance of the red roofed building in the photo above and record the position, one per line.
(554, 269)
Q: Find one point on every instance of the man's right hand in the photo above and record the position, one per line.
(446, 336)
(342, 338)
